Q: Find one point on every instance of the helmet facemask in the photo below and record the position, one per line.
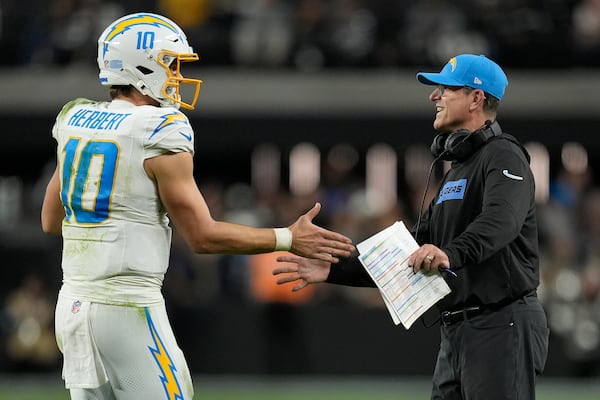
(171, 90)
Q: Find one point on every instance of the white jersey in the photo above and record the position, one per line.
(116, 234)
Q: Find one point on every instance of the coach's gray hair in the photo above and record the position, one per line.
(490, 103)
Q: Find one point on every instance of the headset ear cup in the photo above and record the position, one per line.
(458, 145)
(438, 146)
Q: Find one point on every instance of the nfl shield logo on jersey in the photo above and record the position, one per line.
(76, 307)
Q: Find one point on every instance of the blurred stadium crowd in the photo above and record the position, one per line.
(315, 34)
(359, 192)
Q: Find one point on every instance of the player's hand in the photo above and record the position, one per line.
(305, 270)
(312, 241)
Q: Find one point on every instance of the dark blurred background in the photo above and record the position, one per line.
(304, 101)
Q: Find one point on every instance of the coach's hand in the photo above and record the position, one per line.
(428, 258)
(305, 270)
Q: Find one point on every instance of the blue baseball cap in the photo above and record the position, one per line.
(478, 72)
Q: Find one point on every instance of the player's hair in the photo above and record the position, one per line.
(120, 90)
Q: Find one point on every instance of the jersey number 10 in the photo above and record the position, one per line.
(88, 178)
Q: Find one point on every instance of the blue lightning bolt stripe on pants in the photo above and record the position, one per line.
(120, 353)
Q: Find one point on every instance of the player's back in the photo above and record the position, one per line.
(116, 233)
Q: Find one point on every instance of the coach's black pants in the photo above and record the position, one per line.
(495, 355)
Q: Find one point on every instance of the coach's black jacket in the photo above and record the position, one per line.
(484, 218)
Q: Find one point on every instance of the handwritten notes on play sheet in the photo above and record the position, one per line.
(406, 295)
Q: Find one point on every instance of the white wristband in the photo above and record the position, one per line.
(283, 239)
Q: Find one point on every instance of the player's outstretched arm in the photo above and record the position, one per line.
(306, 271)
(189, 212)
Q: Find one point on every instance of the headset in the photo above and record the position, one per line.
(460, 144)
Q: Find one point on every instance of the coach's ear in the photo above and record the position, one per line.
(477, 99)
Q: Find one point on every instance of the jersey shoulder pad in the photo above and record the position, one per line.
(72, 104)
(169, 130)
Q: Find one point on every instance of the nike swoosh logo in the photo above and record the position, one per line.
(185, 135)
(511, 176)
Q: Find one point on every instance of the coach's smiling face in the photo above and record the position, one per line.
(452, 105)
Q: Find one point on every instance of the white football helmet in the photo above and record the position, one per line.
(146, 50)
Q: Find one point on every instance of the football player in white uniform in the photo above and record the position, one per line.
(124, 171)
